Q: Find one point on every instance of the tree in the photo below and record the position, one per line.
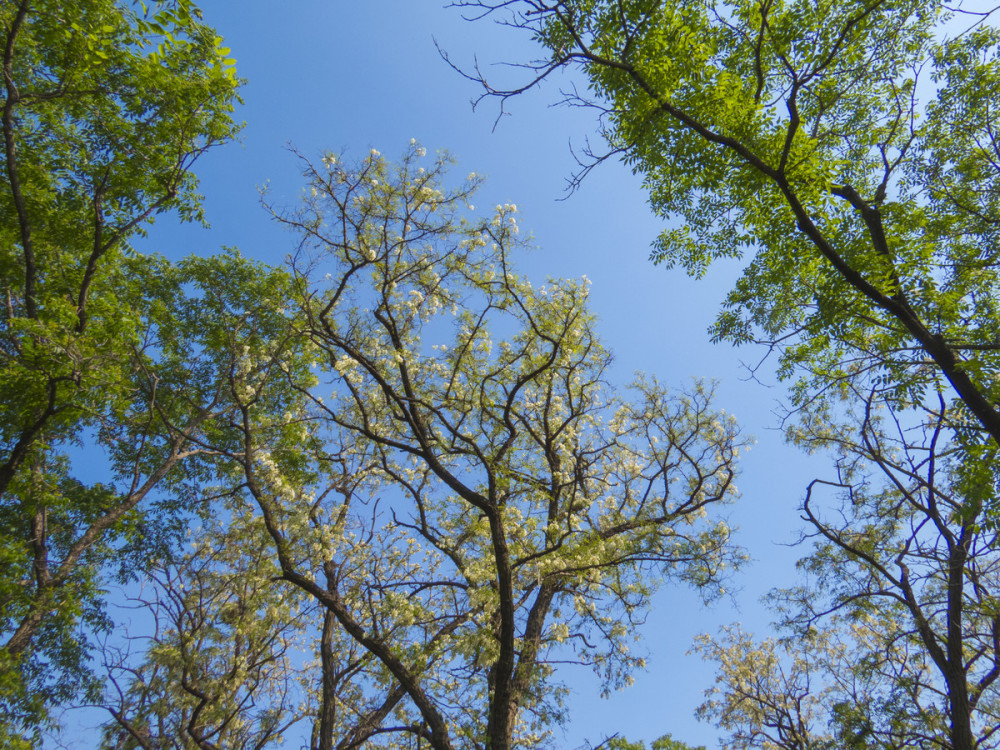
(829, 687)
(796, 131)
(197, 319)
(849, 147)
(765, 696)
(666, 742)
(458, 488)
(219, 670)
(104, 110)
(903, 584)
(222, 666)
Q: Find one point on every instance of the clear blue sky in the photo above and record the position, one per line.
(350, 76)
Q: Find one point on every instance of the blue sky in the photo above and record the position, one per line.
(350, 76)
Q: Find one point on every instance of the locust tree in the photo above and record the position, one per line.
(224, 661)
(104, 107)
(666, 742)
(846, 152)
(821, 688)
(460, 489)
(196, 319)
(893, 638)
(221, 667)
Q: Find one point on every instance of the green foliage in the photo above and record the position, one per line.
(220, 666)
(666, 742)
(457, 487)
(104, 111)
(845, 152)
(823, 687)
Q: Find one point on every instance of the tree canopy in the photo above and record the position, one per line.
(463, 494)
(822, 140)
(846, 152)
(104, 110)
(375, 495)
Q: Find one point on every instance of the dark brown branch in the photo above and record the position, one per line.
(13, 173)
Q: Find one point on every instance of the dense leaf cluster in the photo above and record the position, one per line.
(104, 109)
(381, 492)
(846, 152)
